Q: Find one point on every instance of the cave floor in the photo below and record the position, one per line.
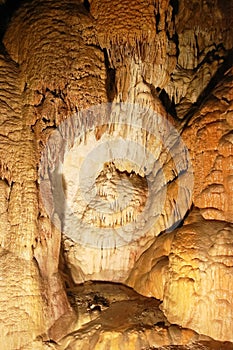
(113, 316)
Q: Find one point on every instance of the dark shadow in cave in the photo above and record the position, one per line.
(7, 10)
(86, 5)
(110, 83)
(218, 76)
(167, 102)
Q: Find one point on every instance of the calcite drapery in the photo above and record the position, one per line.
(209, 138)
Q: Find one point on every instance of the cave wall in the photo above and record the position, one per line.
(61, 58)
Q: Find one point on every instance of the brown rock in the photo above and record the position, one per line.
(199, 282)
(166, 57)
(208, 135)
(190, 269)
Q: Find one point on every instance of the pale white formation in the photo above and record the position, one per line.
(119, 175)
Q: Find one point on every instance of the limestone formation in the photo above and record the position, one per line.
(116, 165)
(211, 146)
(190, 269)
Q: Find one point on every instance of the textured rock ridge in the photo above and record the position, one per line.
(190, 269)
(209, 138)
(20, 282)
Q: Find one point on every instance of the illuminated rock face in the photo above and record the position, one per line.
(212, 159)
(190, 269)
(141, 99)
(199, 279)
(103, 188)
